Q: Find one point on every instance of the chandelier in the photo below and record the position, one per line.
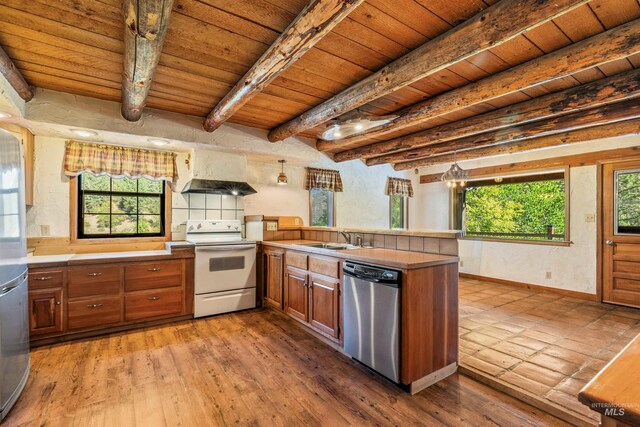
(455, 176)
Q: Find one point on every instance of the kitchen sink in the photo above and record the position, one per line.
(331, 246)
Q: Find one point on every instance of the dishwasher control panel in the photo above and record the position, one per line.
(370, 272)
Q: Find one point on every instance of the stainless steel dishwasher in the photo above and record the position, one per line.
(372, 317)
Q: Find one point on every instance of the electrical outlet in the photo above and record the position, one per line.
(45, 229)
(272, 226)
(177, 227)
(548, 275)
(461, 263)
(590, 218)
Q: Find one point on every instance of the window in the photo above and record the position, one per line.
(627, 202)
(398, 212)
(120, 207)
(518, 208)
(322, 208)
(10, 204)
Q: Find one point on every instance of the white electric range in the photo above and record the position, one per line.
(225, 267)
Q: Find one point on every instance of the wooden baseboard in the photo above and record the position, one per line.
(565, 292)
(528, 397)
(418, 385)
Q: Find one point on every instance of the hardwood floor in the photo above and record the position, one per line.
(543, 343)
(249, 368)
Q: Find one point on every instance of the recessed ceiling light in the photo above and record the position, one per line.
(158, 141)
(4, 115)
(83, 132)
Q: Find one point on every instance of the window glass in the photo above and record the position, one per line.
(627, 202)
(120, 207)
(321, 208)
(398, 211)
(531, 208)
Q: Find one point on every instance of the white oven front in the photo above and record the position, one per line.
(225, 268)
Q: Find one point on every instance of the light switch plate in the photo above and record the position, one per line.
(45, 229)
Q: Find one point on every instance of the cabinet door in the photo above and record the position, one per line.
(274, 279)
(324, 304)
(296, 293)
(45, 311)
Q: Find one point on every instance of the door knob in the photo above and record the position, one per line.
(610, 243)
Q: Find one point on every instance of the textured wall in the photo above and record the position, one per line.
(572, 268)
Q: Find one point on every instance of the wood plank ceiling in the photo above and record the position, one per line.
(76, 46)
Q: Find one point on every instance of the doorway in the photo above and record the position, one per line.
(620, 233)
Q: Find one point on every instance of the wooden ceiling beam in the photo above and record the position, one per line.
(572, 160)
(14, 77)
(617, 88)
(611, 113)
(145, 26)
(617, 43)
(315, 21)
(491, 27)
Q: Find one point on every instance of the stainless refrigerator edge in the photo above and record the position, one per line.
(14, 317)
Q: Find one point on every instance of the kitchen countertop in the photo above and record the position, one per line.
(85, 258)
(416, 232)
(386, 257)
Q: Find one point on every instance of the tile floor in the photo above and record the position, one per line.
(545, 343)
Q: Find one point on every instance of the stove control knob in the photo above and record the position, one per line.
(199, 226)
(237, 228)
(229, 227)
(190, 228)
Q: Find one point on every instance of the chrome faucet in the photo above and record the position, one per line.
(347, 236)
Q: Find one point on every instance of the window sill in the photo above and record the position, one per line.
(565, 243)
(122, 240)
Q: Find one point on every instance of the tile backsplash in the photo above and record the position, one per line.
(200, 207)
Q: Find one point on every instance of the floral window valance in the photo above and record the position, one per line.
(323, 179)
(399, 187)
(119, 161)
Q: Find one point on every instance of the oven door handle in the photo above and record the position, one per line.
(224, 248)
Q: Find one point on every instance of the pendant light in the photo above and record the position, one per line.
(455, 176)
(282, 178)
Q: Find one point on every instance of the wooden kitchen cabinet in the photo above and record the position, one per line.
(45, 311)
(296, 293)
(324, 304)
(308, 286)
(274, 276)
(90, 298)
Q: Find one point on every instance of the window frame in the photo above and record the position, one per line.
(75, 217)
(332, 209)
(456, 202)
(405, 212)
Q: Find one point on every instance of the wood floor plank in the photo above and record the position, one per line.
(251, 368)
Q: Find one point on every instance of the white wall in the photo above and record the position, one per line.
(362, 204)
(573, 267)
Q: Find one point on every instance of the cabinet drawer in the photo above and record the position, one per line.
(145, 305)
(46, 279)
(296, 259)
(96, 280)
(325, 266)
(152, 275)
(94, 312)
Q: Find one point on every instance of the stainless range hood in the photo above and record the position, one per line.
(210, 186)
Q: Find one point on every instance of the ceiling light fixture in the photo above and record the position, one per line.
(353, 126)
(455, 176)
(282, 178)
(158, 141)
(4, 115)
(84, 133)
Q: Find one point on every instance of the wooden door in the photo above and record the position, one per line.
(273, 275)
(296, 293)
(45, 311)
(621, 233)
(323, 304)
